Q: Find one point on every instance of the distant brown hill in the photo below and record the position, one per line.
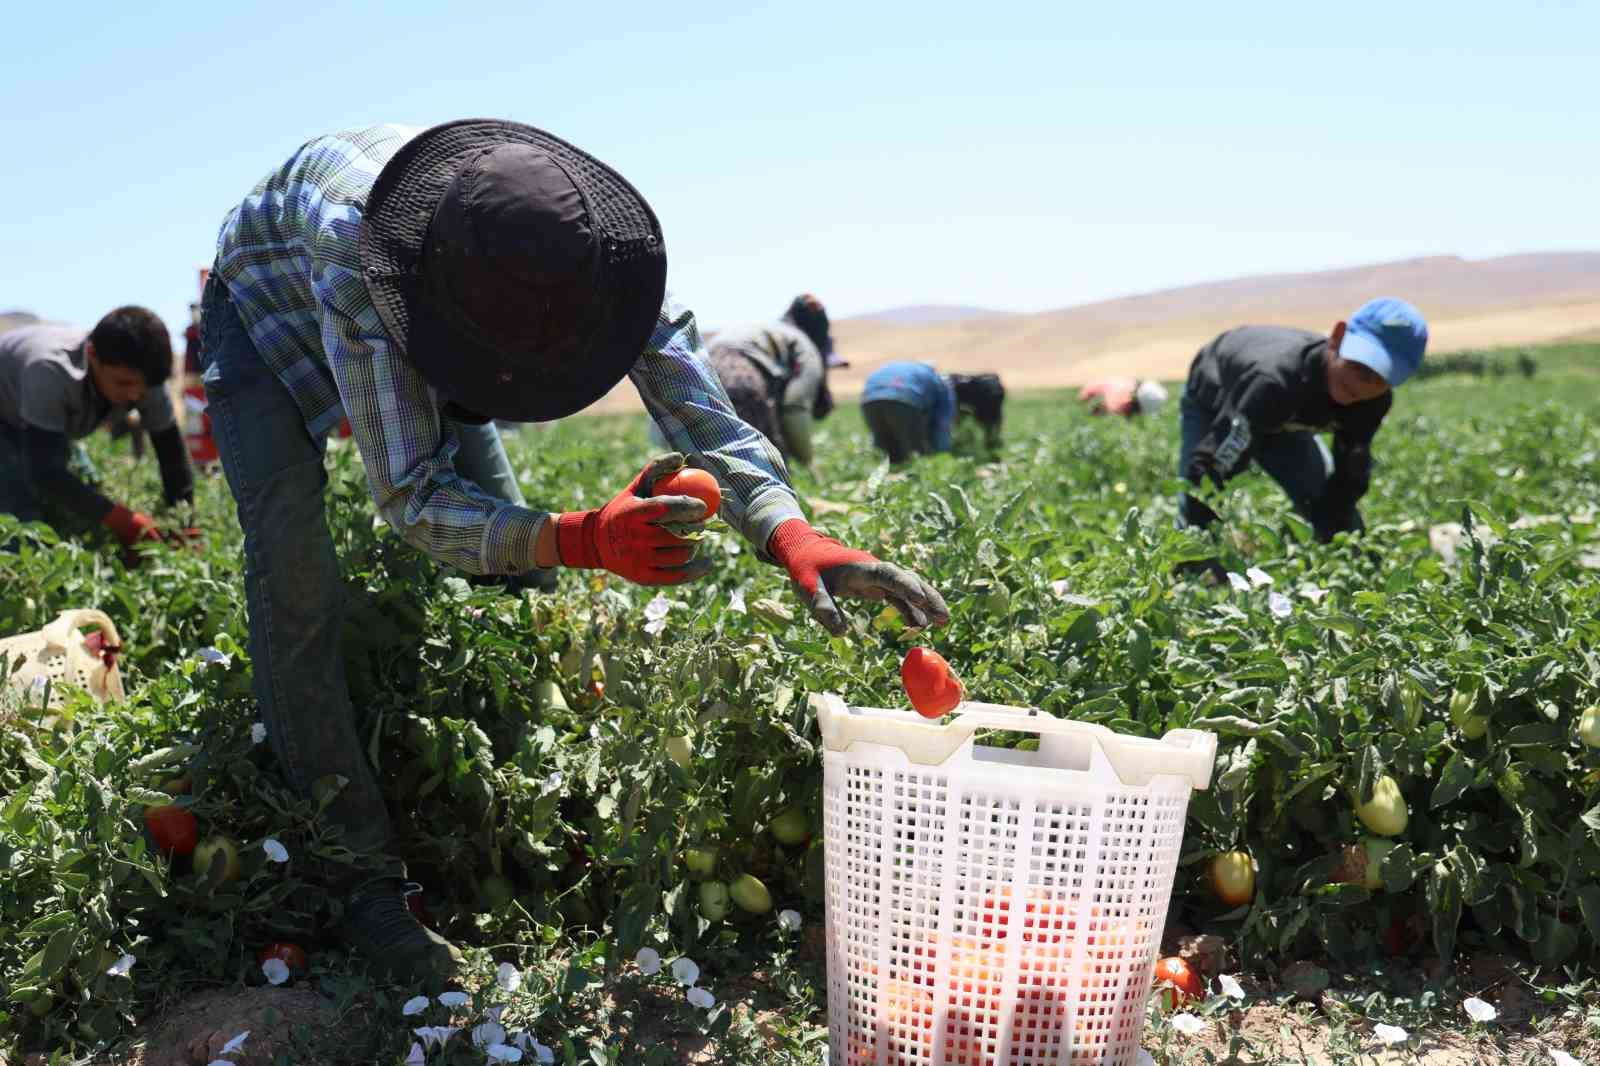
(1469, 303)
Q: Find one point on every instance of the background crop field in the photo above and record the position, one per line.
(547, 821)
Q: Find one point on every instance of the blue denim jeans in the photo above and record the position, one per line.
(1300, 461)
(17, 497)
(293, 585)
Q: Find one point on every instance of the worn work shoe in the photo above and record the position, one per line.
(388, 935)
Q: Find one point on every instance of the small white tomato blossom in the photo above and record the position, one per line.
(685, 971)
(276, 971)
(649, 961)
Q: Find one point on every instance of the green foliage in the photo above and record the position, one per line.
(541, 809)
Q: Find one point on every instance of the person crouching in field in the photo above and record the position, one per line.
(776, 375)
(1123, 396)
(1263, 393)
(57, 385)
(424, 283)
(911, 409)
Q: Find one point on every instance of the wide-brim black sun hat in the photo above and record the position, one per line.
(518, 274)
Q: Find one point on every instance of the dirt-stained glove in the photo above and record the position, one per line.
(627, 535)
(822, 569)
(1202, 465)
(130, 527)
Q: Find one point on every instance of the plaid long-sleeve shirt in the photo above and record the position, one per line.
(290, 257)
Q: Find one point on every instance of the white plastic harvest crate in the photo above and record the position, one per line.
(995, 907)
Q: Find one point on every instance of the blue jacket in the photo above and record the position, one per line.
(921, 386)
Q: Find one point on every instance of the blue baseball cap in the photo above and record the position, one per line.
(1387, 335)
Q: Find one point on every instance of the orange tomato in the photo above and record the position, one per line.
(933, 689)
(691, 482)
(1178, 982)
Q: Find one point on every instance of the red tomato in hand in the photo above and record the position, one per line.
(173, 828)
(291, 955)
(929, 682)
(1183, 979)
(691, 482)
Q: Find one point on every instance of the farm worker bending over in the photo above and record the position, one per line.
(57, 384)
(1123, 396)
(777, 375)
(1264, 392)
(983, 397)
(424, 283)
(911, 408)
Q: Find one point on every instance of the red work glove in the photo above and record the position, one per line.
(627, 537)
(130, 527)
(822, 568)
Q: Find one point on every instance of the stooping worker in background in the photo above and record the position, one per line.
(776, 375)
(983, 397)
(1123, 396)
(1262, 393)
(57, 385)
(911, 408)
(424, 283)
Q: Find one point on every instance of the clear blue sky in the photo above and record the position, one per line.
(1011, 155)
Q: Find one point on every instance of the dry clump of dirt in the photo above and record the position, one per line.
(1270, 1035)
(194, 1032)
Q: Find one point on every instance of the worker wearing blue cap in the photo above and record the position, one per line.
(1263, 393)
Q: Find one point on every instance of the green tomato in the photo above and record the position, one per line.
(1589, 726)
(547, 696)
(681, 751)
(750, 894)
(217, 860)
(701, 862)
(1386, 813)
(790, 827)
(1462, 703)
(714, 901)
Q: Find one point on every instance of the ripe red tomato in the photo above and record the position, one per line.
(691, 482)
(291, 955)
(1182, 982)
(173, 828)
(933, 688)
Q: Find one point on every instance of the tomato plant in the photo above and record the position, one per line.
(613, 753)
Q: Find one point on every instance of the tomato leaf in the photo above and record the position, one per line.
(1454, 780)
